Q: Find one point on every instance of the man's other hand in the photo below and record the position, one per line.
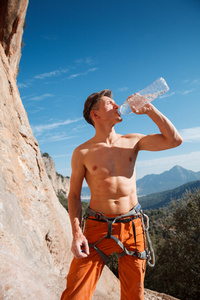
(80, 247)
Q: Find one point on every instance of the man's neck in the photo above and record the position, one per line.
(106, 135)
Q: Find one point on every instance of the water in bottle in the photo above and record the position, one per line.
(138, 100)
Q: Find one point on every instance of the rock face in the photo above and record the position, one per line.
(12, 20)
(35, 232)
(60, 183)
(34, 227)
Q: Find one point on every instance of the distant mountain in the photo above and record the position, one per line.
(157, 200)
(153, 183)
(161, 199)
(165, 181)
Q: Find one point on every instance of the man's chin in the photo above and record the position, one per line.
(119, 120)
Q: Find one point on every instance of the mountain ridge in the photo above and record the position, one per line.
(155, 183)
(165, 198)
(173, 178)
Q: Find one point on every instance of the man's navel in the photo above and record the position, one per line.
(130, 159)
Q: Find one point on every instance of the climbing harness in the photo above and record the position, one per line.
(134, 213)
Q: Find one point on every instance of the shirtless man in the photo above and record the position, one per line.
(107, 162)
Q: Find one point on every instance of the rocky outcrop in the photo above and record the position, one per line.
(12, 20)
(34, 227)
(59, 182)
(35, 232)
(151, 295)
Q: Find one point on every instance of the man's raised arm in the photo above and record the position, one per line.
(169, 136)
(80, 246)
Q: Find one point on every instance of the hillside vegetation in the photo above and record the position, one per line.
(162, 199)
(176, 238)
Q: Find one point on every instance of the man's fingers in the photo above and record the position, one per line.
(78, 253)
(86, 247)
(80, 250)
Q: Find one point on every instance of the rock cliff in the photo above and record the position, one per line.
(12, 20)
(60, 183)
(35, 233)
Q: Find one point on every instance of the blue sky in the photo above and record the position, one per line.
(75, 48)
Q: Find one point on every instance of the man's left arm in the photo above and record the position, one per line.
(168, 137)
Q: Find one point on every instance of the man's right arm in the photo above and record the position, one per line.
(80, 246)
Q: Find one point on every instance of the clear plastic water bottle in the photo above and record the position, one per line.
(140, 99)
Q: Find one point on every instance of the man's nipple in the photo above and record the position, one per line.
(94, 168)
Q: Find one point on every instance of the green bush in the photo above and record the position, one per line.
(46, 155)
(177, 270)
(63, 200)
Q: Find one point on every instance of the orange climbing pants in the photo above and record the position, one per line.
(85, 272)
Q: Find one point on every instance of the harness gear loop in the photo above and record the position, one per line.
(136, 212)
(151, 255)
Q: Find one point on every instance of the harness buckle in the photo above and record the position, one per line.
(98, 216)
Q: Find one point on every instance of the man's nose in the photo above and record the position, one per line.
(116, 106)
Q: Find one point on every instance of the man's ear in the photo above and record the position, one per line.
(94, 114)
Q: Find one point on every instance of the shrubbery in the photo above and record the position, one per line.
(177, 270)
(64, 201)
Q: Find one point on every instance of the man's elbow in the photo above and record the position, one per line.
(177, 141)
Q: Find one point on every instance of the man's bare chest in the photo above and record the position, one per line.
(110, 161)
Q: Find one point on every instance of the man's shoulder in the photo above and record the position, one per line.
(83, 148)
(132, 136)
(131, 139)
(79, 154)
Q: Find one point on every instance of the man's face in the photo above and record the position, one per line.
(108, 110)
